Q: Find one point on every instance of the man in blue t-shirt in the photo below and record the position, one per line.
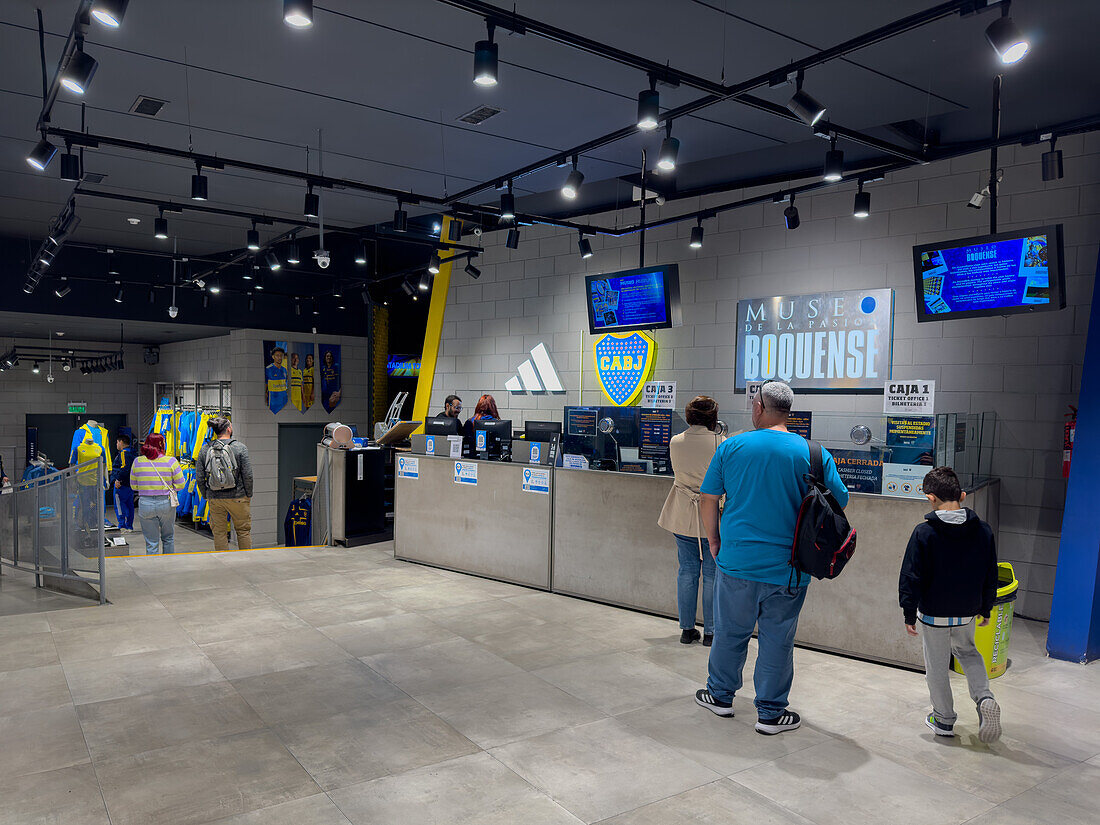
(761, 475)
(277, 380)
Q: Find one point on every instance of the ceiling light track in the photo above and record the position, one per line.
(317, 180)
(716, 93)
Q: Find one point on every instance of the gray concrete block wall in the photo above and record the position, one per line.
(1025, 369)
(23, 392)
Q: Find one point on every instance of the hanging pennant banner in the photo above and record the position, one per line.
(330, 376)
(301, 375)
(276, 375)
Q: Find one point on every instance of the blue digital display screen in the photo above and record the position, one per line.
(636, 300)
(1008, 274)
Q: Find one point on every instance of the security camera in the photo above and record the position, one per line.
(477, 231)
(173, 311)
(322, 258)
(978, 199)
(49, 378)
(659, 200)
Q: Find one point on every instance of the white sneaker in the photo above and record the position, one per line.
(989, 716)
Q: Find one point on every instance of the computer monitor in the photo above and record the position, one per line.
(541, 430)
(443, 425)
(496, 443)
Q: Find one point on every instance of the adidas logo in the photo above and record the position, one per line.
(539, 376)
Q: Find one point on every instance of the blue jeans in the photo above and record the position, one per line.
(739, 605)
(687, 582)
(158, 523)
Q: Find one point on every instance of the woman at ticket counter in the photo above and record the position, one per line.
(690, 453)
(484, 410)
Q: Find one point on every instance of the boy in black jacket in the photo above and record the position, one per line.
(949, 576)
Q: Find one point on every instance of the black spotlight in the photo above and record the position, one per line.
(70, 166)
(199, 188)
(79, 72)
(400, 219)
(46, 257)
(1052, 163)
(110, 12)
(273, 261)
(160, 227)
(485, 61)
(584, 246)
(834, 163)
(454, 230)
(152, 296)
(434, 263)
(573, 182)
(513, 238)
(205, 300)
(298, 13)
(1005, 38)
(472, 270)
(425, 281)
(118, 296)
(361, 255)
(697, 235)
(292, 252)
(670, 149)
(862, 206)
(407, 288)
(365, 297)
(790, 215)
(41, 154)
(62, 291)
(252, 241)
(508, 205)
(312, 205)
(649, 107)
(251, 302)
(64, 228)
(804, 105)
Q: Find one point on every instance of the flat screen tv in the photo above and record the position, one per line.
(634, 299)
(1004, 274)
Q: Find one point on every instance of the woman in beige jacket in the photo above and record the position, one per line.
(691, 452)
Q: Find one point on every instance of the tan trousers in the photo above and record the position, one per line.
(238, 509)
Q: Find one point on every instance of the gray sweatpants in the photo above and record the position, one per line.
(939, 644)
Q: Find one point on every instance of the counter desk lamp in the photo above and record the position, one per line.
(607, 427)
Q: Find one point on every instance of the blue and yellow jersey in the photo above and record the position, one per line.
(296, 387)
(307, 388)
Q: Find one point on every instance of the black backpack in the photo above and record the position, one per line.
(824, 541)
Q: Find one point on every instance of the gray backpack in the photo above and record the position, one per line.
(220, 466)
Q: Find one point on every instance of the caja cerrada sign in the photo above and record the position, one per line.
(824, 340)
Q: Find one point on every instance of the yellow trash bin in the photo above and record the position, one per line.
(992, 640)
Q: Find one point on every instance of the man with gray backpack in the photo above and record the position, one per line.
(223, 475)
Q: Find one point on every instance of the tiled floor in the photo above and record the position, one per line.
(315, 687)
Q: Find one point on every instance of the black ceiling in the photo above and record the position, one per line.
(386, 81)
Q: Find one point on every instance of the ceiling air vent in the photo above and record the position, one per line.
(147, 106)
(93, 177)
(479, 115)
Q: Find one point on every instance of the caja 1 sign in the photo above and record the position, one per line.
(824, 340)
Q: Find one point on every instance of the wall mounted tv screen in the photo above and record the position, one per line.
(1005, 274)
(634, 299)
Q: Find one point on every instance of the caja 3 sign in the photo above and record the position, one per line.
(825, 340)
(624, 362)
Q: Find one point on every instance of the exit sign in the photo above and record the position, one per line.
(78, 407)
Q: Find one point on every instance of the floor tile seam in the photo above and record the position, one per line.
(1048, 698)
(148, 692)
(543, 791)
(102, 794)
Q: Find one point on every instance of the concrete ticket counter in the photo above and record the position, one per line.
(603, 543)
(493, 528)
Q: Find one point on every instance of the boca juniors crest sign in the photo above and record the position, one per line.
(624, 362)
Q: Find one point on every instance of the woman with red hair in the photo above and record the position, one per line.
(156, 478)
(484, 410)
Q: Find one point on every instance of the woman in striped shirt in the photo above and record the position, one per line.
(154, 476)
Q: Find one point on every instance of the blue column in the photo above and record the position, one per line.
(1074, 633)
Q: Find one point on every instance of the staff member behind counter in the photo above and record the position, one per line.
(690, 453)
(485, 410)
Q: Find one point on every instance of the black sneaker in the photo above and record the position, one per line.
(938, 727)
(708, 639)
(788, 720)
(989, 716)
(715, 706)
(688, 636)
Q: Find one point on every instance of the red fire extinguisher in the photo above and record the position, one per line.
(1067, 440)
